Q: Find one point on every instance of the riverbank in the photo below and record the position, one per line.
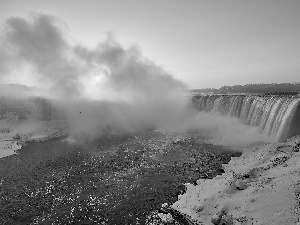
(14, 134)
(260, 187)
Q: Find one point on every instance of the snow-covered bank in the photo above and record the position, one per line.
(25, 117)
(260, 187)
(13, 135)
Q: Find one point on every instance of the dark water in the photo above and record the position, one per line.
(112, 180)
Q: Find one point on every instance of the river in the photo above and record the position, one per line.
(115, 179)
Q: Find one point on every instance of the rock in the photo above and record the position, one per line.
(165, 207)
(240, 184)
(166, 218)
(242, 219)
(227, 220)
(217, 218)
(279, 159)
(222, 220)
(296, 146)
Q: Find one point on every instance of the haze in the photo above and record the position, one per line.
(203, 43)
(126, 80)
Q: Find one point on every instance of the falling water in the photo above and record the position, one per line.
(275, 116)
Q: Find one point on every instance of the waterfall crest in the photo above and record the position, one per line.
(275, 116)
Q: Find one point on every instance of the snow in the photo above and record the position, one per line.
(271, 175)
(14, 134)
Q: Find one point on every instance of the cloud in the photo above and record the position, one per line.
(127, 70)
(129, 91)
(222, 129)
(40, 43)
(106, 88)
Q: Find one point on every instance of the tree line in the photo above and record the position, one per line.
(273, 88)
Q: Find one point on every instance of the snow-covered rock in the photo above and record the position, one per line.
(259, 187)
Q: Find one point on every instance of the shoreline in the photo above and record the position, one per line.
(261, 186)
(14, 135)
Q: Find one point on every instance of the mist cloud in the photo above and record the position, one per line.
(107, 87)
(41, 44)
(223, 129)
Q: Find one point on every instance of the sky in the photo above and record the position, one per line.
(203, 43)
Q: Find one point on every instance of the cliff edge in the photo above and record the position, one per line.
(262, 186)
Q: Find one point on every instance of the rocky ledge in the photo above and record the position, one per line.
(262, 186)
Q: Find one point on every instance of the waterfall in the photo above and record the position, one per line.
(275, 116)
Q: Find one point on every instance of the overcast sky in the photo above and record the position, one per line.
(204, 43)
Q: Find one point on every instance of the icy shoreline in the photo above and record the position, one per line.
(13, 135)
(260, 187)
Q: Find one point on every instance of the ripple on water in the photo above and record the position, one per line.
(112, 180)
